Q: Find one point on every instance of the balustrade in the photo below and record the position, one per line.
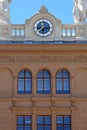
(18, 31)
(68, 31)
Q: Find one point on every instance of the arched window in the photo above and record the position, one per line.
(24, 82)
(62, 82)
(43, 82)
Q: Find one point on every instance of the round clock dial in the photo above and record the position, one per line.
(43, 27)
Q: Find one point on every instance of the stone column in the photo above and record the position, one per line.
(34, 120)
(53, 119)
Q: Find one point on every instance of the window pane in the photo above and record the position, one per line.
(66, 86)
(59, 83)
(27, 119)
(59, 86)
(21, 74)
(59, 120)
(40, 128)
(59, 127)
(20, 128)
(66, 83)
(24, 123)
(28, 86)
(63, 123)
(21, 82)
(20, 119)
(46, 74)
(27, 128)
(65, 74)
(40, 86)
(21, 86)
(40, 74)
(47, 86)
(27, 74)
(59, 74)
(47, 120)
(67, 120)
(66, 127)
(40, 120)
(48, 127)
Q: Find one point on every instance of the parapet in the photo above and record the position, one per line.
(43, 27)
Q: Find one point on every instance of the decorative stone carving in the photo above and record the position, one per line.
(81, 32)
(82, 4)
(29, 59)
(5, 32)
(5, 11)
(80, 11)
(43, 10)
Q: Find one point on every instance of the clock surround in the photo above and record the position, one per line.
(43, 27)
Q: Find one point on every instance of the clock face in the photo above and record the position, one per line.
(43, 27)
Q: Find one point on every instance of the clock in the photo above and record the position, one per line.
(43, 27)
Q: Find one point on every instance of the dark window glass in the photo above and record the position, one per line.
(20, 120)
(67, 120)
(62, 82)
(43, 82)
(24, 82)
(59, 127)
(39, 127)
(63, 123)
(24, 123)
(47, 120)
(43, 122)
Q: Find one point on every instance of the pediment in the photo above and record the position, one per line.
(49, 19)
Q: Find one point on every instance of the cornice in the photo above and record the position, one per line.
(18, 99)
(43, 48)
(78, 99)
(40, 108)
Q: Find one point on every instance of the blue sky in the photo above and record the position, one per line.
(24, 9)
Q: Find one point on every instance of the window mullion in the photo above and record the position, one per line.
(24, 80)
(23, 122)
(63, 122)
(62, 83)
(43, 81)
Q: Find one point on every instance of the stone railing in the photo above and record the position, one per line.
(21, 32)
(18, 31)
(68, 31)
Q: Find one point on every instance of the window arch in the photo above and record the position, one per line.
(43, 82)
(24, 82)
(62, 82)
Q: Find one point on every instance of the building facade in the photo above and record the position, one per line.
(43, 75)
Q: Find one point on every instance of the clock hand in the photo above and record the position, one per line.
(40, 29)
(42, 24)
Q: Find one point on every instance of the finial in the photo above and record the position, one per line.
(43, 10)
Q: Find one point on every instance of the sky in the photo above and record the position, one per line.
(20, 10)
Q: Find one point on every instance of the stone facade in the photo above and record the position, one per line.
(14, 58)
(25, 50)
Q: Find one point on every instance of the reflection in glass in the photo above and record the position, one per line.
(63, 123)
(67, 120)
(20, 119)
(24, 123)
(40, 120)
(59, 119)
(24, 82)
(43, 82)
(43, 122)
(62, 82)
